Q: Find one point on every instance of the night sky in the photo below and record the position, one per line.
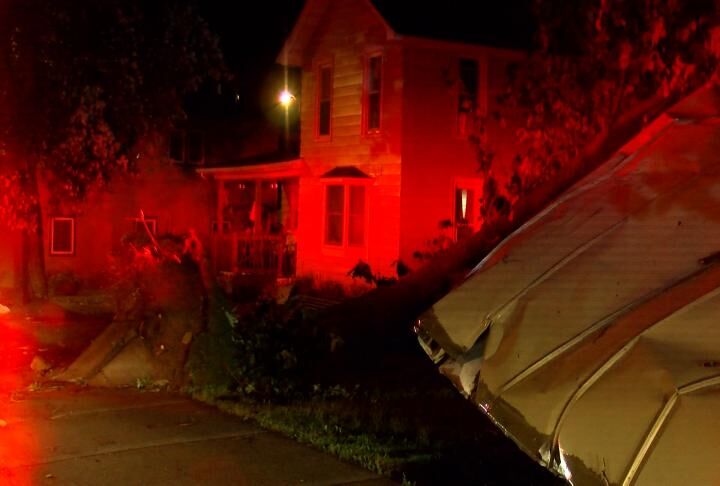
(252, 34)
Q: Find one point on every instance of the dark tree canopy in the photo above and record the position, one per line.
(597, 63)
(82, 81)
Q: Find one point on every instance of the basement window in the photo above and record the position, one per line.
(62, 236)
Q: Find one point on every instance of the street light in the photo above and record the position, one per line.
(286, 98)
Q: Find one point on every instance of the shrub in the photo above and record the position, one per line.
(211, 364)
(276, 348)
(64, 283)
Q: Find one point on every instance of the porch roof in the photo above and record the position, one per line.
(266, 170)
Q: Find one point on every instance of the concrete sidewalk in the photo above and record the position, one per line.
(74, 436)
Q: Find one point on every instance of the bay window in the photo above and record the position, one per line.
(345, 214)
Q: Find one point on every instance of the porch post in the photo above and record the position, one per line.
(257, 214)
(219, 216)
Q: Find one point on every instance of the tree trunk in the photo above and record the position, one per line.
(34, 279)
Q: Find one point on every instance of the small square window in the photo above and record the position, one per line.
(62, 236)
(142, 226)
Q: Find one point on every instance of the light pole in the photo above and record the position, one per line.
(286, 98)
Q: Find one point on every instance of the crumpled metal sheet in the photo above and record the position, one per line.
(591, 336)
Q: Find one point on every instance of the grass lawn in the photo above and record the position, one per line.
(393, 413)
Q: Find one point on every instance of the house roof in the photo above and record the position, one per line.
(600, 314)
(349, 171)
(260, 167)
(506, 24)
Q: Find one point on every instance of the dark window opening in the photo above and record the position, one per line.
(335, 209)
(186, 147)
(468, 94)
(176, 146)
(324, 101)
(140, 226)
(374, 83)
(62, 236)
(195, 149)
(356, 228)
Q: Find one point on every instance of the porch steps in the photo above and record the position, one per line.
(316, 304)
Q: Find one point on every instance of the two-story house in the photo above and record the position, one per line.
(386, 161)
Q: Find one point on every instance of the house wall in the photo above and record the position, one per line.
(349, 31)
(179, 199)
(435, 157)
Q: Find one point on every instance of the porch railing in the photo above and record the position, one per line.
(260, 254)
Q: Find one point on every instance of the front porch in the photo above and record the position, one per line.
(256, 213)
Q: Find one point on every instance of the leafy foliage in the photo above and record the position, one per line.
(212, 362)
(275, 347)
(596, 62)
(82, 82)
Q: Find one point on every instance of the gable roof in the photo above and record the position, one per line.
(497, 24)
(349, 171)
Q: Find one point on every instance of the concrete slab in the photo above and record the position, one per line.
(115, 437)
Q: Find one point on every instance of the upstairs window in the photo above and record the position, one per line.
(373, 93)
(186, 147)
(324, 101)
(62, 236)
(468, 72)
(176, 146)
(194, 147)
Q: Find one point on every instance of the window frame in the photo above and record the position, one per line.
(474, 184)
(151, 222)
(179, 134)
(347, 183)
(365, 122)
(183, 137)
(329, 65)
(52, 249)
(201, 148)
